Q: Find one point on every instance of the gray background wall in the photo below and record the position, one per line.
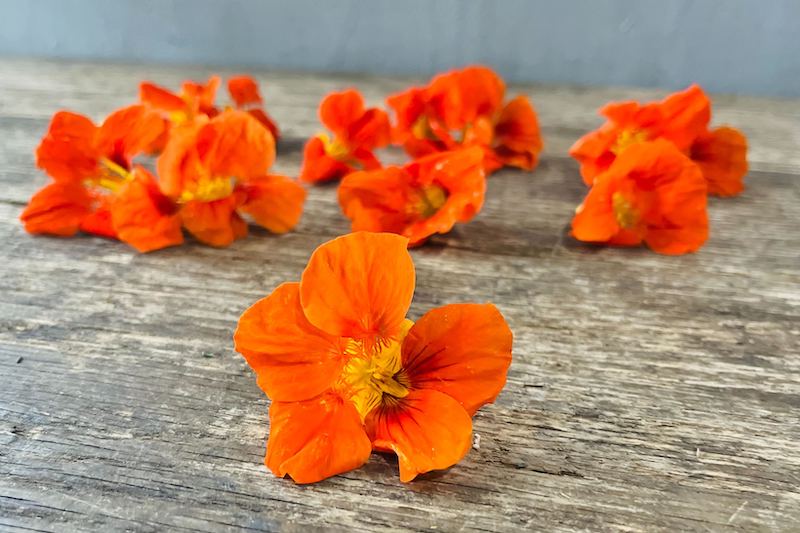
(744, 46)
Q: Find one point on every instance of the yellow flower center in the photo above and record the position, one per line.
(179, 117)
(627, 216)
(429, 200)
(421, 129)
(377, 378)
(334, 148)
(627, 138)
(112, 175)
(208, 190)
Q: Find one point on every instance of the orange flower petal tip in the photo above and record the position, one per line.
(681, 118)
(468, 101)
(423, 198)
(653, 194)
(356, 132)
(348, 373)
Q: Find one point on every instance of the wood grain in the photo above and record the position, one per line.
(647, 393)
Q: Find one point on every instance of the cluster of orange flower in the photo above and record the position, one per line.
(457, 129)
(651, 167)
(347, 372)
(212, 167)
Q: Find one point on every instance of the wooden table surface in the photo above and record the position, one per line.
(647, 393)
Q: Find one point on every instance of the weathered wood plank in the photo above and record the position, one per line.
(647, 393)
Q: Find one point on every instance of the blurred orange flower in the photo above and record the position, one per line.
(651, 193)
(424, 197)
(682, 118)
(217, 168)
(357, 131)
(465, 108)
(89, 165)
(348, 373)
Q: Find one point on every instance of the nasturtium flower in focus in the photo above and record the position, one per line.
(90, 166)
(348, 372)
(465, 108)
(681, 118)
(424, 197)
(356, 132)
(217, 169)
(651, 193)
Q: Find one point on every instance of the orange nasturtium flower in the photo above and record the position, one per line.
(357, 132)
(651, 193)
(427, 196)
(465, 108)
(348, 373)
(91, 166)
(682, 118)
(215, 169)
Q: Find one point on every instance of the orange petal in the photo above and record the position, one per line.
(244, 91)
(594, 219)
(179, 164)
(292, 359)
(517, 137)
(407, 106)
(318, 166)
(214, 223)
(359, 285)
(371, 130)
(268, 122)
(428, 430)
(339, 110)
(201, 96)
(462, 350)
(685, 116)
(160, 98)
(275, 202)
(67, 151)
(143, 216)
(235, 144)
(481, 91)
(57, 209)
(98, 222)
(128, 132)
(315, 439)
(722, 157)
(683, 225)
(593, 152)
(377, 200)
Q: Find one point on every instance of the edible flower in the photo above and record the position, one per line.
(216, 170)
(653, 194)
(681, 118)
(465, 108)
(424, 197)
(348, 373)
(357, 131)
